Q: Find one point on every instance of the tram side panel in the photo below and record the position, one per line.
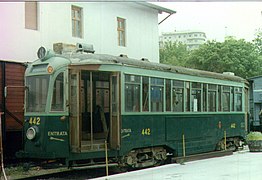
(201, 133)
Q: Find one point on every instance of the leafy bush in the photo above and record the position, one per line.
(253, 136)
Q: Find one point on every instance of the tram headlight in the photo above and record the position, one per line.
(31, 133)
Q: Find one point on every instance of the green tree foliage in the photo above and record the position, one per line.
(174, 54)
(258, 41)
(237, 56)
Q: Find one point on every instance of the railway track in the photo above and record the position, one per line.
(89, 172)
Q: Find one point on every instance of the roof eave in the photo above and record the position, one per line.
(156, 7)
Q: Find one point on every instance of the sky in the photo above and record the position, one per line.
(217, 19)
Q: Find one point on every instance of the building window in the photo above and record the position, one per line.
(77, 22)
(121, 30)
(31, 15)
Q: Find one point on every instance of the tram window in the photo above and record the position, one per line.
(168, 95)
(238, 99)
(132, 78)
(196, 100)
(132, 98)
(226, 98)
(132, 93)
(211, 101)
(232, 99)
(58, 94)
(36, 95)
(196, 85)
(205, 97)
(196, 97)
(178, 96)
(178, 102)
(188, 96)
(219, 98)
(145, 93)
(157, 94)
(212, 90)
(177, 83)
(157, 81)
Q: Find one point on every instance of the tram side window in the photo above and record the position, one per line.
(238, 99)
(196, 97)
(205, 97)
(145, 94)
(219, 98)
(212, 91)
(58, 94)
(226, 98)
(178, 96)
(187, 96)
(168, 95)
(232, 97)
(132, 93)
(157, 94)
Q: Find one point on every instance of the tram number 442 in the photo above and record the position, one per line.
(146, 132)
(34, 120)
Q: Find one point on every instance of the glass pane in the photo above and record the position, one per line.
(177, 83)
(157, 81)
(132, 98)
(226, 88)
(232, 99)
(238, 102)
(132, 78)
(205, 97)
(196, 100)
(178, 100)
(187, 96)
(168, 95)
(156, 99)
(219, 98)
(196, 85)
(211, 101)
(145, 93)
(226, 101)
(36, 96)
(58, 94)
(212, 87)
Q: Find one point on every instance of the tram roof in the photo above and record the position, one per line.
(79, 59)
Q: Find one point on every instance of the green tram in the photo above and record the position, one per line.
(78, 104)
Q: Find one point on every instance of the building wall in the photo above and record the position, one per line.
(100, 29)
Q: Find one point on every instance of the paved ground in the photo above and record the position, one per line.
(239, 166)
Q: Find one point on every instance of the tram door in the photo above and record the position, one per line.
(74, 105)
(94, 110)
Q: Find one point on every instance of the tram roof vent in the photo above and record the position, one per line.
(123, 55)
(229, 73)
(145, 59)
(88, 48)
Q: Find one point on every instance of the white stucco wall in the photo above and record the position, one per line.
(100, 29)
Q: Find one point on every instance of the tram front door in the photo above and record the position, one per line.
(94, 110)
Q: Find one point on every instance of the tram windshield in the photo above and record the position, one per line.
(36, 96)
